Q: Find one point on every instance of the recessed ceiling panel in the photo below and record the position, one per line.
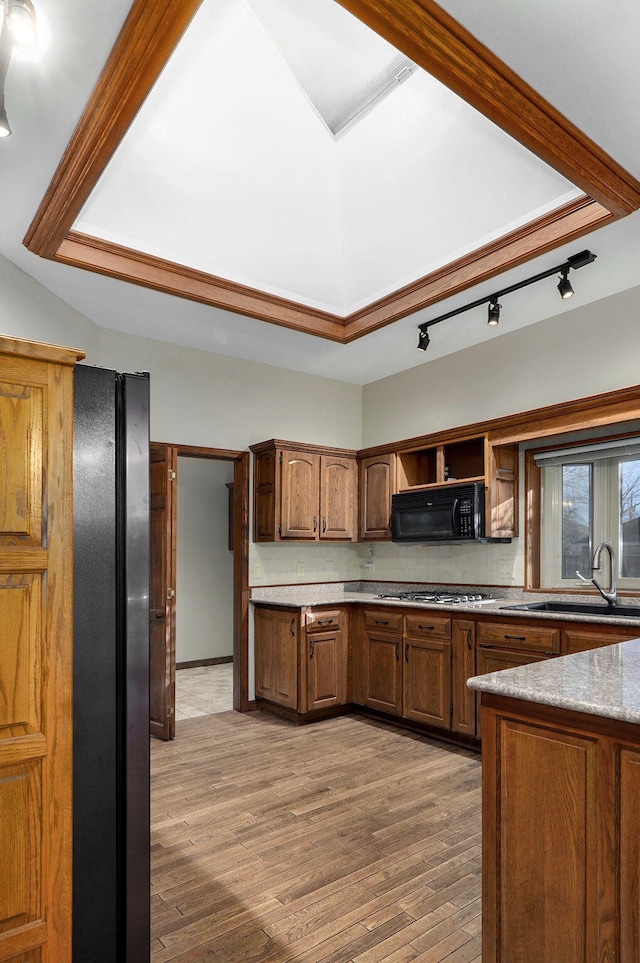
(228, 170)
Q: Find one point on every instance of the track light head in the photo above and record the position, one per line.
(494, 312)
(423, 339)
(564, 285)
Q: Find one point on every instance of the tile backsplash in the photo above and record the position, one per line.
(285, 564)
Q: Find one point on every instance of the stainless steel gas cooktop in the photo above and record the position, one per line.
(440, 598)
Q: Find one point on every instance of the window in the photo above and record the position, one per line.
(590, 495)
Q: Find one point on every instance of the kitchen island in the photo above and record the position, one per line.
(561, 809)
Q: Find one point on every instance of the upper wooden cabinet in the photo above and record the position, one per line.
(304, 492)
(376, 486)
(427, 464)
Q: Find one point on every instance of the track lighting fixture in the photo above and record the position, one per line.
(564, 285)
(494, 313)
(565, 289)
(17, 26)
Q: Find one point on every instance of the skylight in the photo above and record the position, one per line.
(342, 66)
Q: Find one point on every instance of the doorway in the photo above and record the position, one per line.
(204, 587)
(167, 586)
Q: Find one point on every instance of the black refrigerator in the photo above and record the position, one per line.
(111, 875)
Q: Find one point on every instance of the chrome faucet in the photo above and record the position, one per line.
(611, 597)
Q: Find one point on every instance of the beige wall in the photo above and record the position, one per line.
(584, 351)
(29, 310)
(204, 593)
(199, 398)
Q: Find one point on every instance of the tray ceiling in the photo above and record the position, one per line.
(223, 185)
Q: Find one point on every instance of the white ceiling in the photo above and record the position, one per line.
(585, 64)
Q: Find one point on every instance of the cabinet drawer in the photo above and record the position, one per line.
(535, 638)
(322, 621)
(577, 640)
(383, 621)
(428, 626)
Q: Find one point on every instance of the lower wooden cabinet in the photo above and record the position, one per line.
(383, 671)
(561, 836)
(427, 681)
(326, 661)
(463, 663)
(301, 658)
(276, 644)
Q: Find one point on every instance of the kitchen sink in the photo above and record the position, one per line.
(579, 608)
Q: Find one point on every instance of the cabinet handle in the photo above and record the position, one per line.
(406, 652)
(430, 628)
(381, 622)
(315, 524)
(469, 646)
(397, 651)
(324, 524)
(291, 627)
(517, 638)
(325, 621)
(311, 641)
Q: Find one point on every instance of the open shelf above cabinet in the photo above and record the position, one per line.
(459, 461)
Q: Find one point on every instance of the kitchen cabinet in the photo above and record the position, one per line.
(376, 485)
(326, 660)
(36, 664)
(301, 658)
(304, 493)
(277, 634)
(580, 638)
(463, 665)
(561, 835)
(523, 637)
(382, 653)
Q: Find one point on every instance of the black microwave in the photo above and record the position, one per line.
(450, 513)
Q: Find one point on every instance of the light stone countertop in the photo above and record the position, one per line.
(603, 682)
(341, 593)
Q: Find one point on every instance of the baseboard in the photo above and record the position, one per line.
(220, 660)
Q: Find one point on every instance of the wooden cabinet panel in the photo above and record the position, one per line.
(546, 845)
(264, 496)
(512, 635)
(580, 639)
(276, 648)
(427, 681)
(21, 424)
(383, 672)
(326, 669)
(338, 497)
(36, 650)
(321, 620)
(463, 668)
(502, 491)
(428, 626)
(299, 495)
(383, 620)
(629, 854)
(376, 486)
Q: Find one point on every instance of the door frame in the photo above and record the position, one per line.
(240, 461)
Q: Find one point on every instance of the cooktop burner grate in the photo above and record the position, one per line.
(439, 598)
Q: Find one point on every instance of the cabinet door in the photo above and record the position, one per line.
(299, 496)
(502, 491)
(383, 672)
(427, 681)
(276, 647)
(326, 669)
(628, 870)
(542, 875)
(377, 485)
(338, 480)
(464, 662)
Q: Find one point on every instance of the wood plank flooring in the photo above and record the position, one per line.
(347, 841)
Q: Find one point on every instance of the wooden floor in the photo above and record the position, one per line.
(347, 841)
